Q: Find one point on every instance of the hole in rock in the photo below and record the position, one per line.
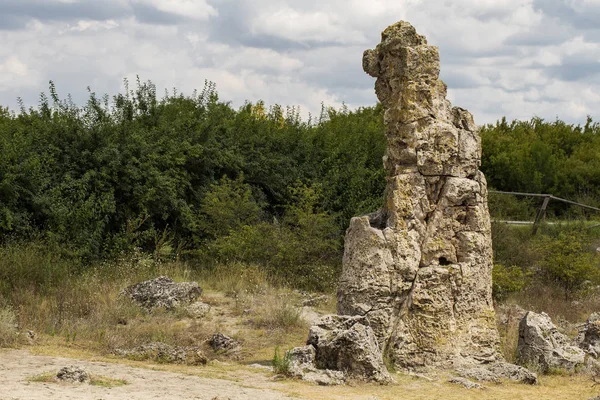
(378, 220)
(444, 261)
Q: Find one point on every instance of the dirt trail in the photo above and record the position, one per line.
(16, 366)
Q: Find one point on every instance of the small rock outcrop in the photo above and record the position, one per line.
(497, 371)
(543, 346)
(221, 342)
(73, 374)
(198, 309)
(339, 348)
(162, 292)
(465, 383)
(589, 336)
(419, 270)
(164, 353)
(347, 344)
(302, 364)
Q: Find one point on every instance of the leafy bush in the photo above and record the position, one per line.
(281, 365)
(569, 261)
(507, 280)
(302, 250)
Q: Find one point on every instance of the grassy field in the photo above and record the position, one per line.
(87, 319)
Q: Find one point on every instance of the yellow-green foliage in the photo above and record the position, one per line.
(507, 280)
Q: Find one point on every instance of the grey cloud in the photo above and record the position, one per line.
(150, 15)
(457, 79)
(586, 16)
(231, 26)
(544, 36)
(14, 14)
(9, 22)
(336, 68)
(574, 71)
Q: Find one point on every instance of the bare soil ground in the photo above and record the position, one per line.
(17, 367)
(224, 381)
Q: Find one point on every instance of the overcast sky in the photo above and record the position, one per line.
(514, 58)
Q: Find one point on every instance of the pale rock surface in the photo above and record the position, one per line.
(416, 282)
(497, 371)
(465, 383)
(162, 292)
(419, 270)
(221, 342)
(198, 309)
(302, 365)
(345, 344)
(339, 348)
(73, 374)
(542, 345)
(589, 337)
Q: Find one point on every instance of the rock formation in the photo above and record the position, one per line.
(162, 292)
(419, 270)
(543, 346)
(416, 283)
(339, 348)
(221, 342)
(73, 374)
(589, 336)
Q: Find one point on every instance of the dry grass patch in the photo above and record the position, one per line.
(95, 380)
(8, 327)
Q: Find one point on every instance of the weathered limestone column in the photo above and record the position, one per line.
(420, 269)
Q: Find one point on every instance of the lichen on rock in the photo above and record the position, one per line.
(422, 275)
(162, 292)
(418, 273)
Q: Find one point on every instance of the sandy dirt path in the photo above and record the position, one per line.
(16, 366)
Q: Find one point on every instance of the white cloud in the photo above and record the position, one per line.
(197, 9)
(517, 58)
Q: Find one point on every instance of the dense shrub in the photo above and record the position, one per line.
(507, 280)
(190, 176)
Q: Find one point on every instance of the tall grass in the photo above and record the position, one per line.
(83, 305)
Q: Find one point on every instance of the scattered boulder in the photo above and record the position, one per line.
(302, 365)
(497, 371)
(543, 346)
(164, 353)
(73, 374)
(340, 348)
(509, 315)
(198, 309)
(589, 336)
(221, 342)
(465, 383)
(162, 292)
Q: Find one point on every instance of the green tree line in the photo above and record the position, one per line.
(193, 176)
(188, 175)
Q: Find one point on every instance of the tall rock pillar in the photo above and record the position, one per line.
(420, 270)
